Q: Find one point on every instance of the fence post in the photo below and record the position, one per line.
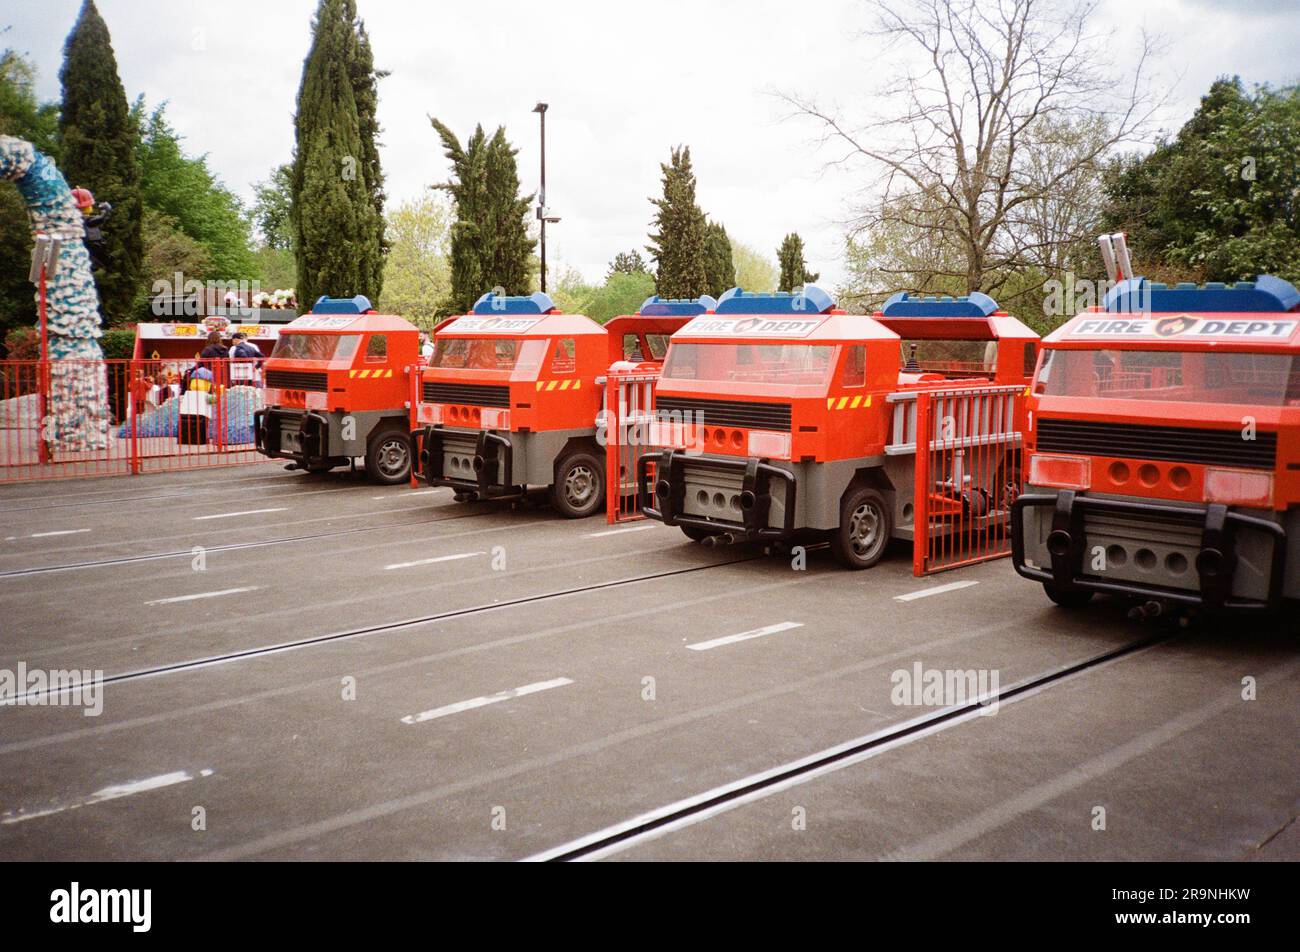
(134, 372)
(921, 488)
(413, 396)
(613, 478)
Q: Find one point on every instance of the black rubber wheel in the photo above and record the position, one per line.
(866, 525)
(1006, 488)
(1072, 598)
(388, 456)
(695, 534)
(579, 488)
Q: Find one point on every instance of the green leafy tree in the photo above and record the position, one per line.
(622, 293)
(23, 116)
(192, 199)
(337, 228)
(490, 242)
(678, 242)
(753, 271)
(97, 150)
(628, 262)
(417, 273)
(720, 268)
(1220, 201)
(272, 205)
(365, 87)
(794, 269)
(169, 250)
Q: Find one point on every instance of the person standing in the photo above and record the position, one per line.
(248, 360)
(214, 355)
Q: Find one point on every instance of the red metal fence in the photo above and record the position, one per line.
(968, 443)
(68, 418)
(628, 429)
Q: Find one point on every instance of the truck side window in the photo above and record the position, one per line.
(632, 348)
(563, 360)
(377, 348)
(854, 373)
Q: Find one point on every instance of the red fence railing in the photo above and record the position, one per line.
(68, 418)
(629, 432)
(967, 475)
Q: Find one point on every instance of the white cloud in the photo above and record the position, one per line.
(625, 82)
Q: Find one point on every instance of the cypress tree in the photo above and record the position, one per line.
(337, 225)
(365, 88)
(513, 247)
(97, 140)
(678, 244)
(794, 269)
(490, 244)
(719, 266)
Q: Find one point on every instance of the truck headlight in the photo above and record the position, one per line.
(769, 444)
(1239, 487)
(1060, 472)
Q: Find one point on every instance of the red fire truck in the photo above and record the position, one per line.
(784, 417)
(337, 388)
(510, 398)
(1164, 450)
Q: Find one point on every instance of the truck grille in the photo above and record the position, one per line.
(1178, 444)
(471, 394)
(297, 380)
(757, 416)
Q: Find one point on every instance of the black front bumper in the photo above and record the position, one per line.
(313, 429)
(669, 494)
(1216, 562)
(492, 454)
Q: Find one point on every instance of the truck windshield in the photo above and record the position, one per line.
(476, 353)
(296, 345)
(788, 364)
(1271, 380)
(952, 357)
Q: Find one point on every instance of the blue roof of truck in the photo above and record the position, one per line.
(1265, 294)
(975, 304)
(810, 300)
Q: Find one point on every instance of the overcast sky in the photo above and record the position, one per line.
(625, 81)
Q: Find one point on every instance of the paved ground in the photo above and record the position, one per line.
(320, 668)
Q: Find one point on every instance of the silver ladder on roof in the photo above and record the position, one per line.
(1114, 251)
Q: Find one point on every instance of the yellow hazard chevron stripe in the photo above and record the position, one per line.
(540, 384)
(551, 386)
(388, 374)
(352, 373)
(845, 402)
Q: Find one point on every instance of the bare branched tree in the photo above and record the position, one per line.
(994, 150)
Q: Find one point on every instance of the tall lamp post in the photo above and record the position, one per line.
(542, 215)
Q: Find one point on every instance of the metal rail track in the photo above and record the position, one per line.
(212, 661)
(687, 812)
(236, 546)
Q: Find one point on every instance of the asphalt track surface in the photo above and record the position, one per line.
(320, 668)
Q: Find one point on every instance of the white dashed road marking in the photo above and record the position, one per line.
(114, 792)
(745, 636)
(487, 699)
(441, 558)
(937, 590)
(246, 512)
(610, 532)
(196, 597)
(46, 535)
